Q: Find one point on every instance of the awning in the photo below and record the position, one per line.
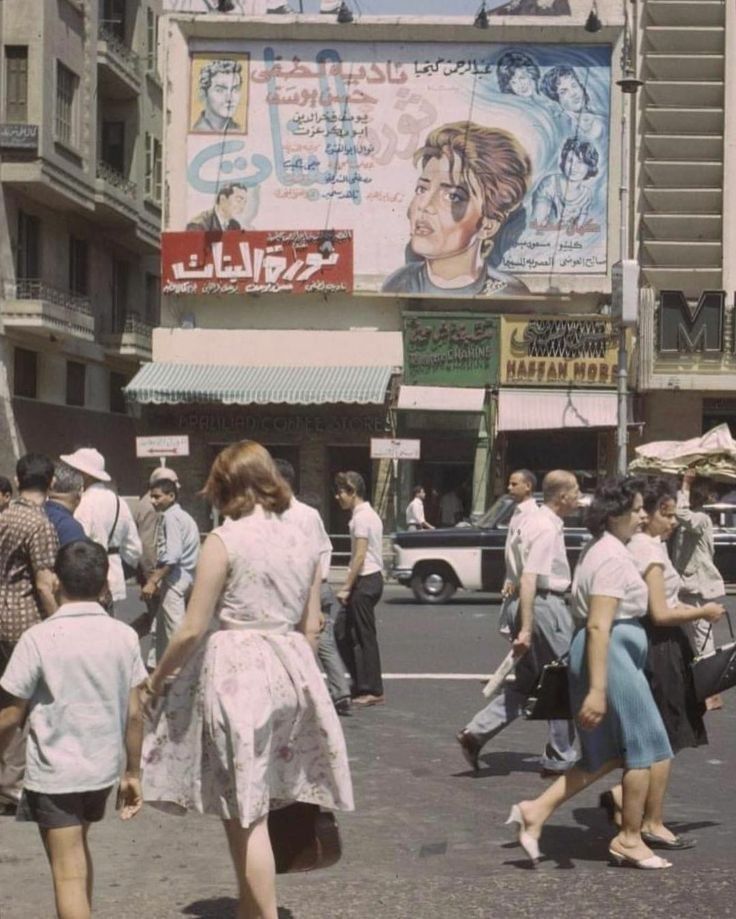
(551, 410)
(174, 384)
(441, 399)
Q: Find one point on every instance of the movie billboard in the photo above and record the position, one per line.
(474, 171)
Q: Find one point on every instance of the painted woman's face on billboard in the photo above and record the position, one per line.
(522, 82)
(223, 94)
(446, 212)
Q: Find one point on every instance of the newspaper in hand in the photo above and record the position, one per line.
(495, 684)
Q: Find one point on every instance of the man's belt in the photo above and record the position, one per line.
(544, 593)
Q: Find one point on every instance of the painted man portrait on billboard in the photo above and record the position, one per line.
(479, 171)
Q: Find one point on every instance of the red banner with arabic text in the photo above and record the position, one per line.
(257, 261)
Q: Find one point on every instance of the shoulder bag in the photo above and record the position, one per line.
(550, 698)
(303, 838)
(715, 672)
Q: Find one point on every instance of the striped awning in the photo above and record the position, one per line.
(552, 410)
(176, 384)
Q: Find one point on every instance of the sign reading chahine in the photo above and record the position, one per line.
(450, 349)
(165, 445)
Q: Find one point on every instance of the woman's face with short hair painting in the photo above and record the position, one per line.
(521, 82)
(446, 212)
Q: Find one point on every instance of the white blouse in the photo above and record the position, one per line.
(649, 550)
(607, 569)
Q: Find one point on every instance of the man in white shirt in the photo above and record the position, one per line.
(521, 489)
(310, 523)
(106, 519)
(543, 629)
(415, 519)
(357, 638)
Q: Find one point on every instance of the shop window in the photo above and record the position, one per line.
(76, 377)
(117, 397)
(25, 373)
(16, 84)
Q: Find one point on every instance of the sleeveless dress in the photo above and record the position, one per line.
(668, 660)
(248, 724)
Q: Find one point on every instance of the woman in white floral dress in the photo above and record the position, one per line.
(247, 724)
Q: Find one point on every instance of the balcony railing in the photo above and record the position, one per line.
(34, 306)
(131, 337)
(111, 176)
(118, 49)
(33, 289)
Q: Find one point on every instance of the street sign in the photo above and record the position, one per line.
(155, 447)
(386, 448)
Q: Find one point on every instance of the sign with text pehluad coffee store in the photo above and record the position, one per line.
(558, 352)
(451, 349)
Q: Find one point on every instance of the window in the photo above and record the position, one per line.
(67, 85)
(28, 251)
(120, 271)
(153, 168)
(151, 42)
(153, 299)
(78, 266)
(113, 17)
(117, 397)
(76, 375)
(16, 84)
(25, 373)
(113, 145)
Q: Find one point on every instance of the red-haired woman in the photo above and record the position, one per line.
(247, 721)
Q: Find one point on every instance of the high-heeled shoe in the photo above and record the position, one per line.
(528, 843)
(653, 863)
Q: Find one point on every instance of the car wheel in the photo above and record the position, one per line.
(433, 584)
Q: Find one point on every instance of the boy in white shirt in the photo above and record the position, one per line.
(74, 675)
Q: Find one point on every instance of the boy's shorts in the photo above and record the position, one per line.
(53, 812)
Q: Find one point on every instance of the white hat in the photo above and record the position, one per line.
(89, 461)
(163, 472)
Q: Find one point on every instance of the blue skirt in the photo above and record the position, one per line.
(632, 729)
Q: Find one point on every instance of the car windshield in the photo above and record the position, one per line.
(495, 513)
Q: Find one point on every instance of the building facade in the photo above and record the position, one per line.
(329, 183)
(80, 215)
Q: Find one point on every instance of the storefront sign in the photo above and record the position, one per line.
(554, 352)
(687, 328)
(450, 349)
(205, 261)
(148, 447)
(265, 425)
(18, 136)
(401, 449)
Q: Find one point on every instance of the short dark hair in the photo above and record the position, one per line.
(550, 85)
(509, 63)
(285, 470)
(613, 498)
(5, 486)
(584, 151)
(657, 491)
(351, 482)
(81, 567)
(417, 489)
(167, 486)
(34, 472)
(528, 476)
(226, 191)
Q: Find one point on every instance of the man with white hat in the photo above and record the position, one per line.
(106, 519)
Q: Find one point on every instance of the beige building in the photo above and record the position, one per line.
(80, 213)
(685, 204)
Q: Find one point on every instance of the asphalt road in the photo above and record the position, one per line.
(427, 838)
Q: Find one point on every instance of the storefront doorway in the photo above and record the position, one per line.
(541, 451)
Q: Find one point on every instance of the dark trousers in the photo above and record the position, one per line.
(13, 761)
(357, 641)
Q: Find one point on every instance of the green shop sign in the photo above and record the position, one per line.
(451, 349)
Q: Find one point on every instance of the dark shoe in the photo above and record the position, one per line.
(657, 842)
(551, 773)
(281, 10)
(471, 748)
(344, 707)
(7, 809)
(369, 699)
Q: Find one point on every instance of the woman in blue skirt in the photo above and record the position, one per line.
(620, 724)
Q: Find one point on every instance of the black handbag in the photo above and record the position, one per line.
(715, 672)
(550, 698)
(303, 838)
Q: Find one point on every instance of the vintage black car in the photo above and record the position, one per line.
(435, 563)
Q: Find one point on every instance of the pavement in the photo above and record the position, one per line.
(427, 838)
